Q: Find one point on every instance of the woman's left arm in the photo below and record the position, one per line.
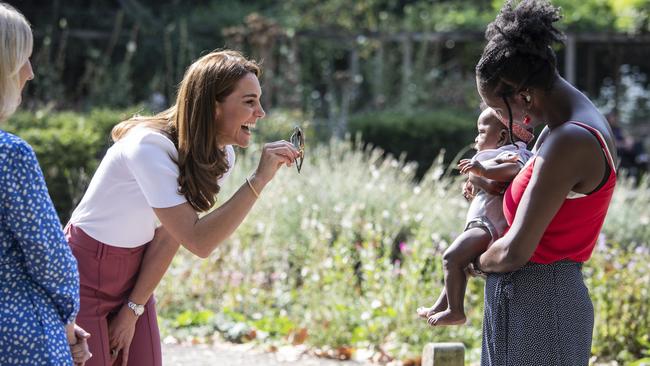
(559, 167)
(157, 259)
(36, 228)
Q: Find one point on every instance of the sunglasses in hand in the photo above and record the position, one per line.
(298, 140)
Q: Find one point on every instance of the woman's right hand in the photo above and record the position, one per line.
(468, 190)
(77, 339)
(490, 186)
(274, 155)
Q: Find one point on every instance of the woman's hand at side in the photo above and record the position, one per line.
(77, 339)
(120, 333)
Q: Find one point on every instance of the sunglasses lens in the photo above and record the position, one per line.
(297, 139)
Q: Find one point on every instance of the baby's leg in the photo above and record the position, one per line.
(467, 246)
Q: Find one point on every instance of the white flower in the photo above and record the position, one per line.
(259, 227)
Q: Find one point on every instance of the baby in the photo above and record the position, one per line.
(497, 159)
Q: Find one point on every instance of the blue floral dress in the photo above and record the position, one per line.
(39, 280)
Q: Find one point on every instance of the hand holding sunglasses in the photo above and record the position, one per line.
(298, 140)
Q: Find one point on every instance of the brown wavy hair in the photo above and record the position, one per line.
(191, 123)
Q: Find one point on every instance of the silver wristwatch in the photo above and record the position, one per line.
(137, 308)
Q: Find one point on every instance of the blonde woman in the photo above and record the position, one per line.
(165, 168)
(39, 282)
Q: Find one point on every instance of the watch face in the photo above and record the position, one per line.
(137, 309)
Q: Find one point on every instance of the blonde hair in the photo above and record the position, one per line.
(16, 44)
(190, 123)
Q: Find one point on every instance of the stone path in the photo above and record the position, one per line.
(227, 354)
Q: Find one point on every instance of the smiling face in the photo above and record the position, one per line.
(237, 115)
(491, 132)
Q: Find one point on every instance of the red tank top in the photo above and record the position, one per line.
(574, 230)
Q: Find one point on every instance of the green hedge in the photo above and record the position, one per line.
(68, 146)
(420, 134)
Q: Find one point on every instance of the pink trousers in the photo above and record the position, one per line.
(107, 275)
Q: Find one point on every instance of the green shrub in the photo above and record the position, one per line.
(279, 123)
(68, 146)
(420, 134)
(618, 276)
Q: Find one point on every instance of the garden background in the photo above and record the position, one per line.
(385, 91)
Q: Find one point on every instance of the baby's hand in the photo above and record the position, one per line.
(467, 166)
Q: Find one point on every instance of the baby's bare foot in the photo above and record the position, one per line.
(440, 305)
(427, 312)
(447, 317)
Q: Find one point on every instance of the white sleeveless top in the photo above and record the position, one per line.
(137, 174)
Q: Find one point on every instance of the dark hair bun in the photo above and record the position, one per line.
(527, 28)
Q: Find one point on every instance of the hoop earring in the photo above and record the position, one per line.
(505, 101)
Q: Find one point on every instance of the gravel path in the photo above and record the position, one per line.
(227, 354)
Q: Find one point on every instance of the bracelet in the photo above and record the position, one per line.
(257, 195)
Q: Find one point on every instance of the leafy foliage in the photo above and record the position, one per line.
(347, 250)
(68, 146)
(341, 255)
(388, 15)
(418, 134)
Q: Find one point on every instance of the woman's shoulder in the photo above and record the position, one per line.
(579, 133)
(570, 145)
(143, 146)
(12, 146)
(147, 138)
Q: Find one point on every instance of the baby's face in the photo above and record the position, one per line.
(490, 133)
